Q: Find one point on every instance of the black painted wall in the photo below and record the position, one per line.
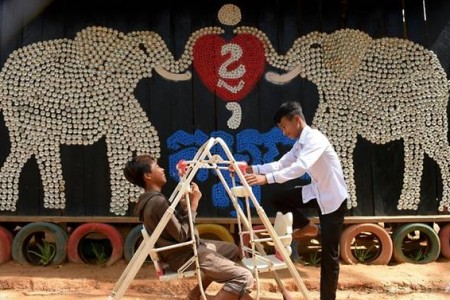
(189, 105)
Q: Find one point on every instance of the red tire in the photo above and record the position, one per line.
(444, 236)
(111, 233)
(379, 252)
(6, 239)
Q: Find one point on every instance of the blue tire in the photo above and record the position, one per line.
(132, 242)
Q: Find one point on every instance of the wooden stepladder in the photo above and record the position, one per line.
(255, 258)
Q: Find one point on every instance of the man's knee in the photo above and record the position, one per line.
(242, 283)
(247, 277)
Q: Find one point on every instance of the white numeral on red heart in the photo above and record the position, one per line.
(233, 89)
(236, 54)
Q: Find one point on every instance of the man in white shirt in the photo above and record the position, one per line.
(312, 153)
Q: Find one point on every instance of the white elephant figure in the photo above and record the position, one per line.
(73, 92)
(384, 90)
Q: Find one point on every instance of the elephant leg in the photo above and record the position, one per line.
(118, 155)
(50, 168)
(130, 136)
(10, 174)
(440, 153)
(414, 155)
(347, 166)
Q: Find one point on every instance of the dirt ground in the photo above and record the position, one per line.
(83, 281)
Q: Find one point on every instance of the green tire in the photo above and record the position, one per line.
(405, 237)
(57, 236)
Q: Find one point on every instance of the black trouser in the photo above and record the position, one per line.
(290, 200)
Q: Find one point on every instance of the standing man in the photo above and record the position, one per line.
(312, 153)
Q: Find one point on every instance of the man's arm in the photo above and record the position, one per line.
(177, 227)
(293, 164)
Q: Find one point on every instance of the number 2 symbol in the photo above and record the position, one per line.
(238, 72)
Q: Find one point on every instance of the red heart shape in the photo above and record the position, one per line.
(229, 68)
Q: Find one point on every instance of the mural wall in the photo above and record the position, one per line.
(86, 86)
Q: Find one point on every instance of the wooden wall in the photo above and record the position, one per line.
(176, 107)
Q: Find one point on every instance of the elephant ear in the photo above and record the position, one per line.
(97, 45)
(344, 51)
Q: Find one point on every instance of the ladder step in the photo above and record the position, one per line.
(264, 263)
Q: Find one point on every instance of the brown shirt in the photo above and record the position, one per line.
(150, 208)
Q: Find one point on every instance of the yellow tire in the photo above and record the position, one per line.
(214, 232)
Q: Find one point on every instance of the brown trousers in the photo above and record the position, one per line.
(218, 263)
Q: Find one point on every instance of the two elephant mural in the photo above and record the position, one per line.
(74, 92)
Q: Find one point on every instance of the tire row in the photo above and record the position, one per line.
(412, 242)
(28, 245)
(360, 243)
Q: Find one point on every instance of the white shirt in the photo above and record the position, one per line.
(312, 153)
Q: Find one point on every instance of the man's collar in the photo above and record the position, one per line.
(303, 134)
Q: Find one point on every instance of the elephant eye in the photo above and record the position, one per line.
(315, 46)
(143, 48)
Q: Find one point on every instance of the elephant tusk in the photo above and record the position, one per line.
(173, 76)
(282, 78)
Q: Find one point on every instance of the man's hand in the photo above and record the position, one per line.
(256, 179)
(246, 170)
(194, 195)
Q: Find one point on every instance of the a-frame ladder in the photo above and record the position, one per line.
(188, 169)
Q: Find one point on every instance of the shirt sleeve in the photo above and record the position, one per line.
(296, 162)
(178, 228)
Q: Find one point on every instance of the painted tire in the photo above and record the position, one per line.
(22, 240)
(404, 237)
(214, 232)
(6, 239)
(132, 241)
(74, 251)
(444, 236)
(384, 253)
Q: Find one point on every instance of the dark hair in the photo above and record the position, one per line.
(137, 167)
(289, 110)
